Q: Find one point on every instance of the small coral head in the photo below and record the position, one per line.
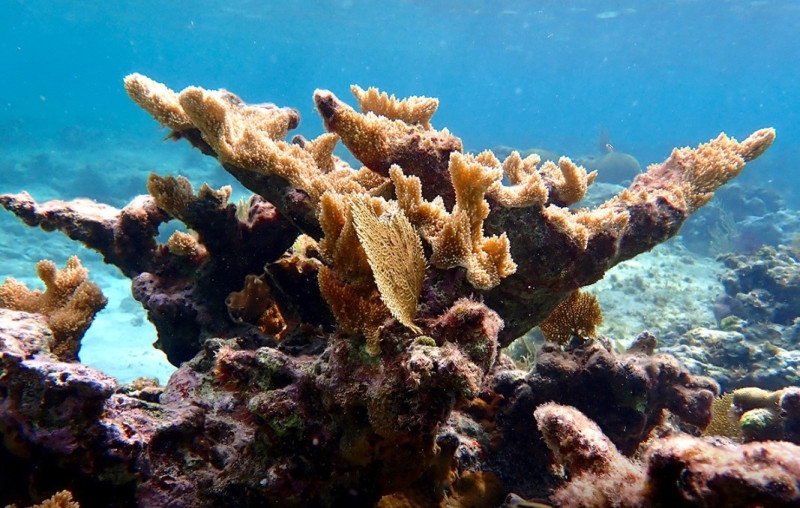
(577, 315)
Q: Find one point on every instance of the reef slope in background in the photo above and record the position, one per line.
(338, 334)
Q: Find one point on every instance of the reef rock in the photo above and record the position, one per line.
(678, 470)
(758, 318)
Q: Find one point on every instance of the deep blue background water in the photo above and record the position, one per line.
(536, 73)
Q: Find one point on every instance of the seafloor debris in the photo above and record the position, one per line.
(759, 324)
(338, 335)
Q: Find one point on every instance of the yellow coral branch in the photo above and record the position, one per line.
(569, 181)
(715, 163)
(527, 187)
(457, 238)
(69, 302)
(580, 225)
(340, 246)
(175, 194)
(689, 177)
(461, 241)
(413, 109)
(158, 100)
(427, 217)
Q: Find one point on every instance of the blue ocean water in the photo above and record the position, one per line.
(519, 73)
(548, 74)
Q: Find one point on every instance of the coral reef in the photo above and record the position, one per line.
(491, 234)
(678, 470)
(753, 355)
(630, 396)
(764, 286)
(254, 426)
(339, 334)
(741, 219)
(756, 344)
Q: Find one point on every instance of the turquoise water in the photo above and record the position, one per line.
(546, 74)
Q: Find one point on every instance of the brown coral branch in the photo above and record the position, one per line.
(125, 238)
(558, 250)
(378, 142)
(248, 140)
(184, 295)
(255, 304)
(526, 223)
(520, 246)
(357, 308)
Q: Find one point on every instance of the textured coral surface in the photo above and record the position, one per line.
(339, 333)
(679, 470)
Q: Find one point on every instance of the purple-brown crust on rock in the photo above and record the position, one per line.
(125, 238)
(628, 395)
(254, 425)
(723, 473)
(678, 470)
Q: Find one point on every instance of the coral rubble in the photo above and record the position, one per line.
(758, 320)
(338, 335)
(763, 286)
